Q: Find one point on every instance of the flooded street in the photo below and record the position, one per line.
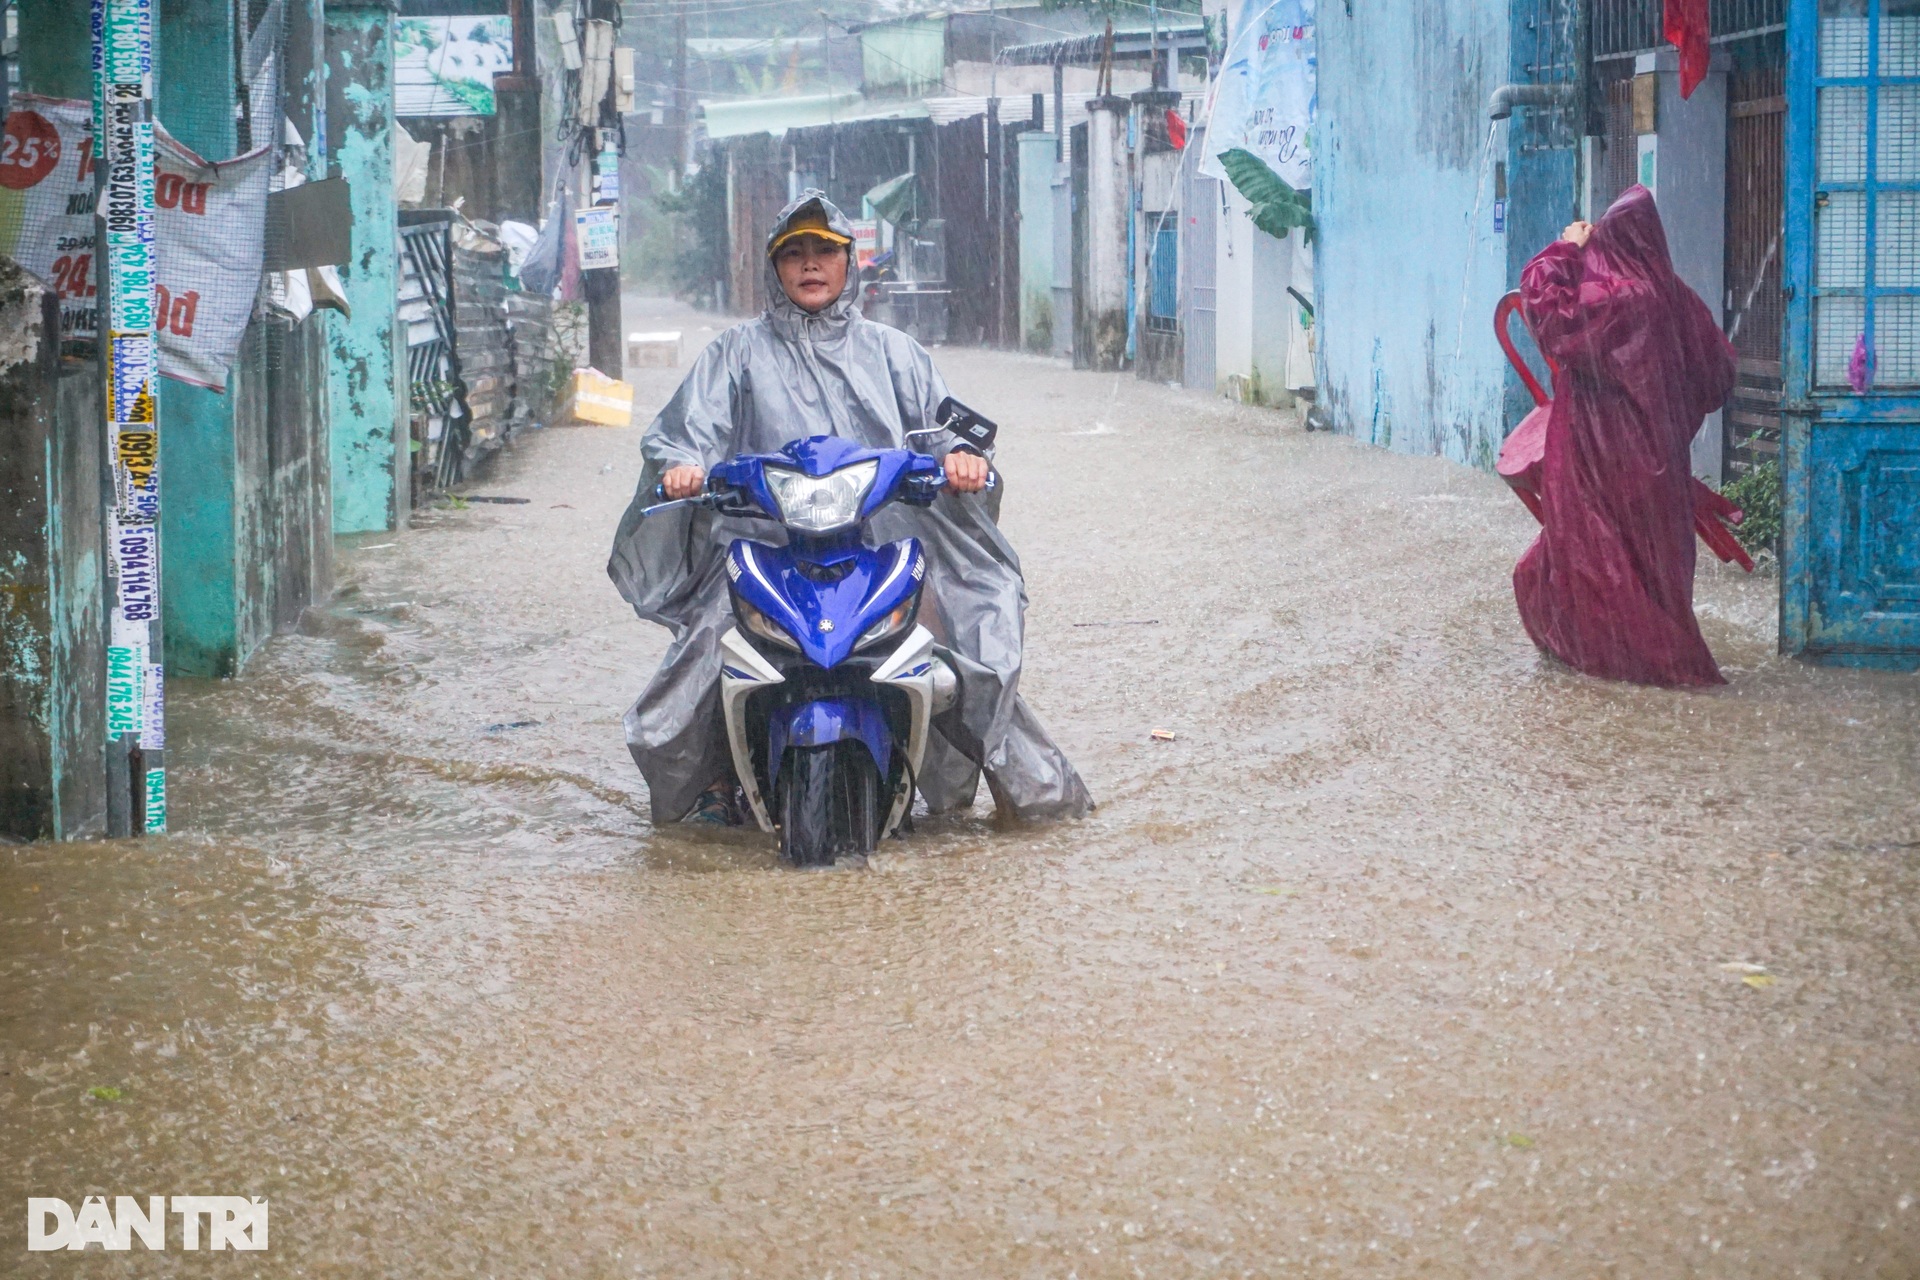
(1411, 953)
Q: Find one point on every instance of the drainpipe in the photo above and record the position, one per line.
(1503, 100)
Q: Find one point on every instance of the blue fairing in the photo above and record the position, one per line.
(829, 720)
(826, 618)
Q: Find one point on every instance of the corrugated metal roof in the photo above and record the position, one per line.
(777, 115)
(1017, 107)
(1080, 51)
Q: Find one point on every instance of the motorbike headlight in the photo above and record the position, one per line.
(821, 504)
(891, 625)
(764, 627)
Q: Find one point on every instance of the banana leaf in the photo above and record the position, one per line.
(1277, 207)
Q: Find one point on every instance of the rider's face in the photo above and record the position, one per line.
(812, 270)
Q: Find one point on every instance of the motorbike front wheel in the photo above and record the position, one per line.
(829, 803)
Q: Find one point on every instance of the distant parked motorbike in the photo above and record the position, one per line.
(829, 684)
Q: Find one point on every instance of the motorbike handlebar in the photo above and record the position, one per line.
(728, 500)
(725, 499)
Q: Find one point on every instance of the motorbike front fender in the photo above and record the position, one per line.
(826, 721)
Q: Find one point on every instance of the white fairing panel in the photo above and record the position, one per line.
(742, 671)
(913, 668)
(929, 684)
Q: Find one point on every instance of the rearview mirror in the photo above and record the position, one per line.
(965, 423)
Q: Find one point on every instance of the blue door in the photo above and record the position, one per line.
(1850, 553)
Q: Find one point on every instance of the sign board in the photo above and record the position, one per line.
(866, 240)
(444, 66)
(597, 232)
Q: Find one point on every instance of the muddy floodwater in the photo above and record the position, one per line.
(1409, 954)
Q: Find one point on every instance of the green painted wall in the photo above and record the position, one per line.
(370, 470)
(201, 574)
(56, 48)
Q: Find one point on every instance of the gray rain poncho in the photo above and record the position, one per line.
(787, 375)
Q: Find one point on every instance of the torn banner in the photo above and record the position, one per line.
(1267, 93)
(210, 221)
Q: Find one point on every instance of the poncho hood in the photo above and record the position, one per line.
(790, 320)
(1630, 243)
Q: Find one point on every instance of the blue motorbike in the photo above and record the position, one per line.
(828, 683)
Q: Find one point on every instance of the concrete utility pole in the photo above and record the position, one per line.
(601, 131)
(1108, 208)
(680, 111)
(123, 127)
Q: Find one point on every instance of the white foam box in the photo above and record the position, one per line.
(653, 350)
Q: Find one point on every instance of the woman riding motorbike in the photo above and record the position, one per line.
(812, 365)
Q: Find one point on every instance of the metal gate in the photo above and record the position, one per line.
(1850, 559)
(1200, 219)
(1082, 320)
(1756, 300)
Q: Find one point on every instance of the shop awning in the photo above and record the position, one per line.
(777, 115)
(897, 200)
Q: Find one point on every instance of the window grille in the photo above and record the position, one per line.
(1163, 274)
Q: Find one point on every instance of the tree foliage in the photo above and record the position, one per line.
(698, 215)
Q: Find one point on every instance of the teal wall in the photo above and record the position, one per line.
(56, 42)
(201, 573)
(369, 470)
(1037, 166)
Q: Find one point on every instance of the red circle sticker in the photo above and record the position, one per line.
(29, 150)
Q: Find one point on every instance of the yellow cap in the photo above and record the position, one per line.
(808, 222)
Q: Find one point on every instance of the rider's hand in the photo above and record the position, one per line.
(966, 471)
(683, 482)
(1578, 233)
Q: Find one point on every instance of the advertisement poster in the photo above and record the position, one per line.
(446, 66)
(207, 230)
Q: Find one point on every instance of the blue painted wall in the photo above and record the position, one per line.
(1542, 153)
(1401, 163)
(369, 474)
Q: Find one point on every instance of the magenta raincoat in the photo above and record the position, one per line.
(1607, 587)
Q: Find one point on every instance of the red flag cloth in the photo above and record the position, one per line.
(1607, 587)
(1685, 26)
(1176, 130)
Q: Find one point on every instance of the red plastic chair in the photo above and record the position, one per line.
(1526, 448)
